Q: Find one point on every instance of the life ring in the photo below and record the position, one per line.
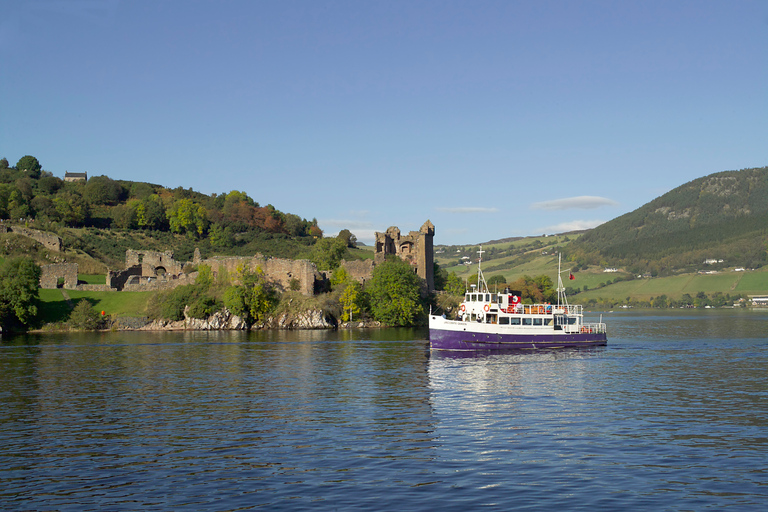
(487, 308)
(463, 308)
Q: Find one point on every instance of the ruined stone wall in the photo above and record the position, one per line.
(117, 278)
(50, 274)
(416, 248)
(359, 270)
(148, 283)
(95, 288)
(153, 262)
(279, 271)
(48, 240)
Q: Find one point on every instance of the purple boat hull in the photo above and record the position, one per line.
(440, 339)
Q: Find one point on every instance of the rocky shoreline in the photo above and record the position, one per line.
(227, 321)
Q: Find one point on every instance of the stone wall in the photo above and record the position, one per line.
(48, 240)
(416, 248)
(145, 284)
(154, 263)
(359, 270)
(50, 274)
(116, 279)
(95, 288)
(281, 272)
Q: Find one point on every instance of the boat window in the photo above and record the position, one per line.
(487, 297)
(571, 321)
(526, 321)
(473, 297)
(537, 321)
(514, 320)
(504, 320)
(494, 299)
(467, 298)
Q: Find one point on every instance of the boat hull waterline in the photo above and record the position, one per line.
(446, 339)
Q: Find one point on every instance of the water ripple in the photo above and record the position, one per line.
(665, 419)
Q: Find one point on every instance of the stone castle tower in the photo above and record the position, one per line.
(415, 248)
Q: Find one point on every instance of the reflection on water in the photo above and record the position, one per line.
(671, 414)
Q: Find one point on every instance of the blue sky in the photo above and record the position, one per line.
(491, 119)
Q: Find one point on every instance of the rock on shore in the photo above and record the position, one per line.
(225, 320)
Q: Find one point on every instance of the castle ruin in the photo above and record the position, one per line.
(416, 248)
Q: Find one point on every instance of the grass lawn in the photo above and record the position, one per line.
(92, 278)
(726, 282)
(753, 283)
(54, 308)
(115, 303)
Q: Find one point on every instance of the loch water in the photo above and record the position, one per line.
(671, 415)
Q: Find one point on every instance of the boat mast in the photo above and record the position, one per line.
(562, 300)
(480, 276)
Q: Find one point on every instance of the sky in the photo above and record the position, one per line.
(492, 119)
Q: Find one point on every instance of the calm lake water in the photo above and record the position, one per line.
(671, 415)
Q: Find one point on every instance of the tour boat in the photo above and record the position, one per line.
(500, 321)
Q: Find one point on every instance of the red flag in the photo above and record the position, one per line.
(571, 276)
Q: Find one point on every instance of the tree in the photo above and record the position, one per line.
(186, 216)
(454, 285)
(150, 213)
(103, 190)
(441, 276)
(222, 237)
(29, 165)
(71, 208)
(253, 299)
(19, 279)
(328, 253)
(497, 279)
(394, 292)
(351, 301)
(84, 316)
(347, 237)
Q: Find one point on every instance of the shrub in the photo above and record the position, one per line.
(84, 317)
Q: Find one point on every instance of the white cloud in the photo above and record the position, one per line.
(573, 225)
(582, 202)
(468, 209)
(344, 224)
(363, 230)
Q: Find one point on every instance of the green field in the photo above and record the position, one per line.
(54, 307)
(92, 278)
(742, 283)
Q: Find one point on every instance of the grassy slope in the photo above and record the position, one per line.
(749, 283)
(54, 307)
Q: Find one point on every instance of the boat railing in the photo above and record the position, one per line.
(594, 328)
(545, 309)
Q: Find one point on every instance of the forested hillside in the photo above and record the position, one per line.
(723, 216)
(151, 215)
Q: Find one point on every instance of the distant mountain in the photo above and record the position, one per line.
(723, 216)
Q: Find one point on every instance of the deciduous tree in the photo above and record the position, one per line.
(29, 165)
(19, 279)
(394, 292)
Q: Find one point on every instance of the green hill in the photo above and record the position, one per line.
(723, 216)
(657, 250)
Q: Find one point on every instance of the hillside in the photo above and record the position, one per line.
(723, 216)
(103, 217)
(661, 249)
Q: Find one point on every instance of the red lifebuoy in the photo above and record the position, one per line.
(463, 307)
(487, 308)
